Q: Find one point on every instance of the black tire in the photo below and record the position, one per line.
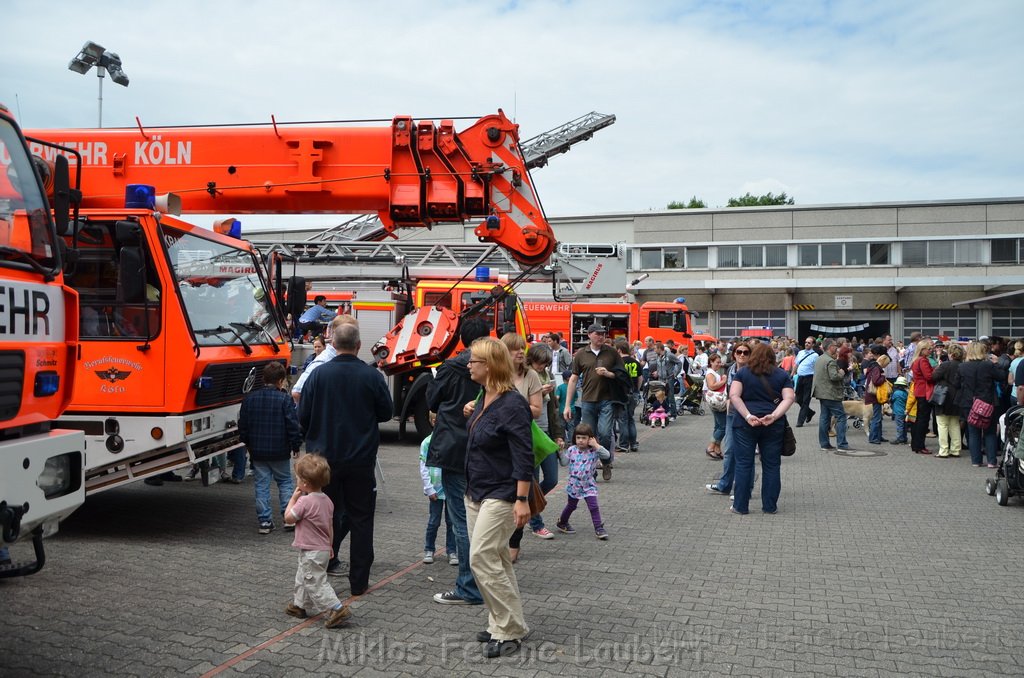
(421, 417)
(990, 487)
(1002, 492)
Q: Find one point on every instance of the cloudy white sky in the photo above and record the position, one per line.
(831, 101)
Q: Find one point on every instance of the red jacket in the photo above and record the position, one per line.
(924, 384)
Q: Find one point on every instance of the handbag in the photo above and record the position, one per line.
(939, 395)
(788, 437)
(543, 445)
(980, 415)
(538, 502)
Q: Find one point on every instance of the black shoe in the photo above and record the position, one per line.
(483, 636)
(337, 569)
(501, 648)
(811, 416)
(154, 480)
(171, 476)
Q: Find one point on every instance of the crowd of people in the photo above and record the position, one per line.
(490, 402)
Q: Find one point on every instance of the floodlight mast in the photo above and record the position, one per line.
(93, 54)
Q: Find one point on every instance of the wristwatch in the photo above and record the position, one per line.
(522, 497)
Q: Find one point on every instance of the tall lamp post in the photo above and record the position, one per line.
(91, 55)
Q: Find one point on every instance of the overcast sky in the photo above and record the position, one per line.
(831, 102)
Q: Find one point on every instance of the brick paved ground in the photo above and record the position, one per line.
(895, 564)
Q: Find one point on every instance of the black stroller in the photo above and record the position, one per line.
(692, 398)
(1009, 480)
(649, 400)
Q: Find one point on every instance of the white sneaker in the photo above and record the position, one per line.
(453, 559)
(428, 557)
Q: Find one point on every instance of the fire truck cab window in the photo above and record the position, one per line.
(662, 319)
(106, 310)
(225, 298)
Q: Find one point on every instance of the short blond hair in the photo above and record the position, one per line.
(314, 470)
(499, 363)
(976, 351)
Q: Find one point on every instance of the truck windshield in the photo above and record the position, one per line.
(26, 238)
(225, 298)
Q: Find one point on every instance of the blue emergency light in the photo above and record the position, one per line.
(140, 196)
(483, 273)
(46, 384)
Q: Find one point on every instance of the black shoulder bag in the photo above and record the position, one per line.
(788, 438)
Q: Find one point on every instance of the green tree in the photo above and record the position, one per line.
(695, 203)
(760, 200)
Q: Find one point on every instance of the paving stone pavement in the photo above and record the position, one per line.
(879, 565)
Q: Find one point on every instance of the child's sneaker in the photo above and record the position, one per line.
(338, 617)
(601, 533)
(566, 528)
(453, 559)
(294, 610)
(428, 557)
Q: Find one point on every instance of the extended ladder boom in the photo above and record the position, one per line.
(408, 173)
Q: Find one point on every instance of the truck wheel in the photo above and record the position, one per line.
(421, 418)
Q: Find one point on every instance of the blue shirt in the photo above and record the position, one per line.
(805, 360)
(268, 424)
(317, 313)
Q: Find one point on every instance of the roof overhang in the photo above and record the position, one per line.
(1002, 300)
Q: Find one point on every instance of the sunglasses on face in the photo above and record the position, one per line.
(742, 352)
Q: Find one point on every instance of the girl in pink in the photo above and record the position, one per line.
(659, 413)
(583, 458)
(312, 513)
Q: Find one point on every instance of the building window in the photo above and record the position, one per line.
(947, 323)
(732, 323)
(969, 252)
(856, 254)
(832, 254)
(775, 255)
(650, 259)
(879, 253)
(808, 255)
(696, 257)
(1004, 250)
(915, 254)
(753, 256)
(728, 256)
(940, 252)
(673, 257)
(1007, 323)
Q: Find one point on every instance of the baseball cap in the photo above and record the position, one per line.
(596, 327)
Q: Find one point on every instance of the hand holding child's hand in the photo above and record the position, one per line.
(432, 497)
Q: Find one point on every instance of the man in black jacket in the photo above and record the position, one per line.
(341, 407)
(451, 389)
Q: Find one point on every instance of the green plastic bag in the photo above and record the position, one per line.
(543, 446)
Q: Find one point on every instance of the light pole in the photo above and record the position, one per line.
(91, 55)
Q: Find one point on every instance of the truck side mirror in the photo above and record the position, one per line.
(61, 194)
(296, 300)
(679, 323)
(511, 304)
(131, 276)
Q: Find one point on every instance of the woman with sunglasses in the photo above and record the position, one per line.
(760, 394)
(739, 355)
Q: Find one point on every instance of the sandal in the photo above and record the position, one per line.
(711, 453)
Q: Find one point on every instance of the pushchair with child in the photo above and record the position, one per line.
(1009, 480)
(650, 400)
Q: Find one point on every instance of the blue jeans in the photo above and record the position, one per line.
(875, 425)
(769, 440)
(725, 482)
(975, 436)
(433, 523)
(627, 424)
(281, 472)
(719, 433)
(901, 428)
(600, 416)
(549, 467)
(237, 458)
(454, 485)
(829, 409)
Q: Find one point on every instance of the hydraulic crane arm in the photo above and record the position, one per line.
(409, 173)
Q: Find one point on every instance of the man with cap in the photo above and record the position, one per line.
(595, 363)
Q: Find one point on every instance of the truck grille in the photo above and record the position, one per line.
(228, 380)
(12, 382)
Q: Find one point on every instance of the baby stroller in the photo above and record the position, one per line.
(1009, 480)
(692, 398)
(649, 399)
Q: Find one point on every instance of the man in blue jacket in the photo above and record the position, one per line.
(341, 407)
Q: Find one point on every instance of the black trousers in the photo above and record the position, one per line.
(920, 426)
(353, 489)
(803, 398)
